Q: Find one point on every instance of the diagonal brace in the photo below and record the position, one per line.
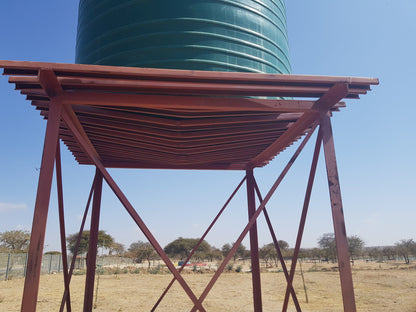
(76, 128)
(254, 218)
(74, 256)
(303, 218)
(199, 243)
(279, 252)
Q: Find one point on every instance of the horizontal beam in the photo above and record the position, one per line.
(31, 68)
(186, 102)
(156, 165)
(195, 87)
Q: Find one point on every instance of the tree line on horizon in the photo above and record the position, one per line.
(180, 248)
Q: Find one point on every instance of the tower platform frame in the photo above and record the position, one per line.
(122, 117)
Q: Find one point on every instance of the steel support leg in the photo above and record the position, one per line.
(37, 239)
(62, 225)
(92, 244)
(338, 216)
(254, 244)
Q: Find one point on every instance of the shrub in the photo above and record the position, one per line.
(79, 272)
(156, 270)
(136, 271)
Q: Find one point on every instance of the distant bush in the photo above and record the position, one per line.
(79, 272)
(136, 271)
(156, 270)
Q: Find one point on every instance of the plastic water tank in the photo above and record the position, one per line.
(221, 35)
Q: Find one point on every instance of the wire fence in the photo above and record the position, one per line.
(14, 264)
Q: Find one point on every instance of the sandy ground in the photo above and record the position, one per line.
(378, 287)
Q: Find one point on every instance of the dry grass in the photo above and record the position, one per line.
(378, 287)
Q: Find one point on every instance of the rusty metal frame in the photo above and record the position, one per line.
(187, 120)
(93, 244)
(62, 225)
(279, 252)
(344, 264)
(302, 221)
(254, 244)
(80, 232)
(199, 242)
(34, 261)
(75, 127)
(252, 220)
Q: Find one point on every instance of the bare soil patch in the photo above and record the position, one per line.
(378, 287)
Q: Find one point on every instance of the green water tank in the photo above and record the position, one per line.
(221, 35)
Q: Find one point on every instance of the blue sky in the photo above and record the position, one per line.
(374, 137)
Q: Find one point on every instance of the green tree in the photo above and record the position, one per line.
(143, 251)
(214, 253)
(241, 251)
(327, 244)
(104, 241)
(181, 247)
(355, 246)
(389, 252)
(15, 241)
(269, 253)
(225, 249)
(374, 253)
(314, 253)
(405, 248)
(116, 249)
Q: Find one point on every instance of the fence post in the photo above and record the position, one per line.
(7, 267)
(59, 263)
(25, 266)
(50, 264)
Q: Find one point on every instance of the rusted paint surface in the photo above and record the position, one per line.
(279, 252)
(254, 244)
(347, 286)
(252, 220)
(178, 119)
(81, 229)
(93, 241)
(199, 242)
(31, 287)
(303, 220)
(182, 119)
(62, 225)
